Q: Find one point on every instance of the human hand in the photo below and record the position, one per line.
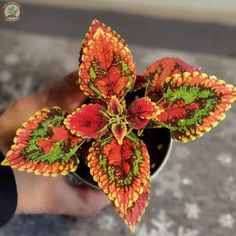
(39, 194)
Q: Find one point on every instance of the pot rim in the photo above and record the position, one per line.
(83, 181)
(165, 160)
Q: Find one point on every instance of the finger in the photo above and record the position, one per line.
(66, 94)
(63, 198)
(79, 201)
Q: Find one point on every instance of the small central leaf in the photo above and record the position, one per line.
(114, 107)
(119, 131)
(140, 111)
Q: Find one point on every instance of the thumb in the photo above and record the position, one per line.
(66, 94)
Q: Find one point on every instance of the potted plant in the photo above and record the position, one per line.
(123, 110)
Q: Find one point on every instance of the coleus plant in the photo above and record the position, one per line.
(176, 96)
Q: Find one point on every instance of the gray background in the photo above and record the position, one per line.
(195, 193)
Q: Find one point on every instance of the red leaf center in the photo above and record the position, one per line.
(119, 155)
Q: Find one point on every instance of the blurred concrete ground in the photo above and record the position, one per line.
(195, 194)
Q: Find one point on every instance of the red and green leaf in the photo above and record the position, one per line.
(107, 67)
(87, 121)
(119, 131)
(140, 111)
(157, 72)
(114, 107)
(122, 171)
(44, 146)
(193, 103)
(137, 123)
(134, 214)
(92, 29)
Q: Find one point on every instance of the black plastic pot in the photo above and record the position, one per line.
(158, 143)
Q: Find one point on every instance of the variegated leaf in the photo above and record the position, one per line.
(157, 72)
(114, 107)
(122, 171)
(107, 67)
(140, 111)
(119, 131)
(92, 29)
(44, 146)
(134, 214)
(193, 103)
(87, 121)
